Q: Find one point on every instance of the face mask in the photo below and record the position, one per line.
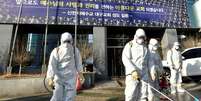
(140, 41)
(177, 47)
(155, 48)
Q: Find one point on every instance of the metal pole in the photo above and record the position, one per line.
(45, 44)
(76, 23)
(14, 39)
(196, 99)
(157, 90)
(75, 38)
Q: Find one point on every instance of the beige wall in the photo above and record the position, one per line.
(5, 39)
(100, 51)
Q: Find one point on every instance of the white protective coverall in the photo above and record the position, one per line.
(174, 60)
(63, 70)
(155, 69)
(135, 58)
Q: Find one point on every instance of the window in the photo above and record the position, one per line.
(35, 46)
(192, 53)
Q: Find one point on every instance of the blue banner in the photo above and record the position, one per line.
(93, 12)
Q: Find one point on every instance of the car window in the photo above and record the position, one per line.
(192, 53)
(199, 52)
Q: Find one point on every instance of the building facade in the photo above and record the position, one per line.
(106, 25)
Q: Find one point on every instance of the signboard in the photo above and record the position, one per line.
(95, 13)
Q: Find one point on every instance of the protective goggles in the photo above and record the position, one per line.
(67, 41)
(142, 37)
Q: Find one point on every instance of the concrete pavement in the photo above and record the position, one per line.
(115, 94)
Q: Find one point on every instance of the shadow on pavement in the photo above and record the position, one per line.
(182, 97)
(33, 98)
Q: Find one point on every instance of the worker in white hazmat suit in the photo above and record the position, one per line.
(155, 69)
(174, 60)
(135, 60)
(64, 65)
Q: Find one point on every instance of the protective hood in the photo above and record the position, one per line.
(176, 45)
(153, 44)
(139, 33)
(65, 37)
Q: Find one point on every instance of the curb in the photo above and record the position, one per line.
(21, 87)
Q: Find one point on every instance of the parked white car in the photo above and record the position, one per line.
(191, 62)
